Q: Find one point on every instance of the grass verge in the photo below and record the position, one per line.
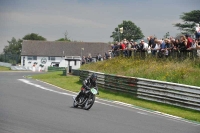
(2, 68)
(72, 83)
(183, 72)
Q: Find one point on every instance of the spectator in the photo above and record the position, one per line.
(176, 44)
(134, 48)
(197, 31)
(156, 50)
(145, 48)
(151, 41)
(89, 59)
(168, 47)
(198, 47)
(83, 60)
(193, 48)
(140, 50)
(112, 46)
(189, 41)
(107, 55)
(123, 47)
(98, 57)
(145, 45)
(139, 47)
(116, 49)
(162, 48)
(183, 47)
(174, 47)
(129, 52)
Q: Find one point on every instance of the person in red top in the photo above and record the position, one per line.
(189, 41)
(123, 46)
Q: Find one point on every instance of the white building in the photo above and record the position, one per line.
(54, 53)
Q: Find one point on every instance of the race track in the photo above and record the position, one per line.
(31, 106)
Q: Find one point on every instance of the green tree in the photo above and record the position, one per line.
(66, 37)
(130, 31)
(33, 36)
(14, 47)
(189, 21)
(166, 35)
(12, 51)
(63, 39)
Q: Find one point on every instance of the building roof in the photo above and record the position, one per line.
(61, 48)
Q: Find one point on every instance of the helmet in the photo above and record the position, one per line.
(93, 77)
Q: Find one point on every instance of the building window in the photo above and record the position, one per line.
(32, 58)
(69, 57)
(51, 58)
(29, 58)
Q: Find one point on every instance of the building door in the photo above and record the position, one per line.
(23, 60)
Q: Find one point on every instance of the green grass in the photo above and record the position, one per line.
(2, 68)
(184, 72)
(72, 83)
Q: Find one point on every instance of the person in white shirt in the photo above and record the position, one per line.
(156, 49)
(197, 31)
(145, 45)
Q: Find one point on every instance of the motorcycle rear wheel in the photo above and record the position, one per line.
(75, 105)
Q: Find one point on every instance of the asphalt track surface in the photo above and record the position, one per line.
(31, 106)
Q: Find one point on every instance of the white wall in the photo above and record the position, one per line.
(61, 60)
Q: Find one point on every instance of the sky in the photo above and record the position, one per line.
(88, 20)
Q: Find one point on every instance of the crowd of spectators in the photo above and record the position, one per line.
(98, 57)
(181, 46)
(176, 47)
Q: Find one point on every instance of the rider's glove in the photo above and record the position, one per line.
(87, 88)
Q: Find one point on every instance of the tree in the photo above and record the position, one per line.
(33, 36)
(166, 35)
(12, 51)
(190, 19)
(14, 47)
(130, 31)
(63, 39)
(66, 37)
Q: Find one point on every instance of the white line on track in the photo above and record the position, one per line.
(112, 102)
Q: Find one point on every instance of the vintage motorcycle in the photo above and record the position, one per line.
(87, 100)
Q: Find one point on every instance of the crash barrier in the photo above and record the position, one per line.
(159, 91)
(5, 64)
(20, 68)
(76, 72)
(10, 58)
(52, 69)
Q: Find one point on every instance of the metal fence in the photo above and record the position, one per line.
(10, 58)
(164, 92)
(5, 64)
(174, 54)
(52, 69)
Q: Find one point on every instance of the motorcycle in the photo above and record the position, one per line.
(87, 100)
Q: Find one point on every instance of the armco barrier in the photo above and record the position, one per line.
(5, 64)
(164, 92)
(76, 72)
(52, 69)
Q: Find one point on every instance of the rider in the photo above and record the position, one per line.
(88, 83)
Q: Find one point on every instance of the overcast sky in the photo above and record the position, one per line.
(88, 20)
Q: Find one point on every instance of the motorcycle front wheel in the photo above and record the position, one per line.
(89, 103)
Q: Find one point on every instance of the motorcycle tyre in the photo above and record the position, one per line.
(93, 100)
(75, 105)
